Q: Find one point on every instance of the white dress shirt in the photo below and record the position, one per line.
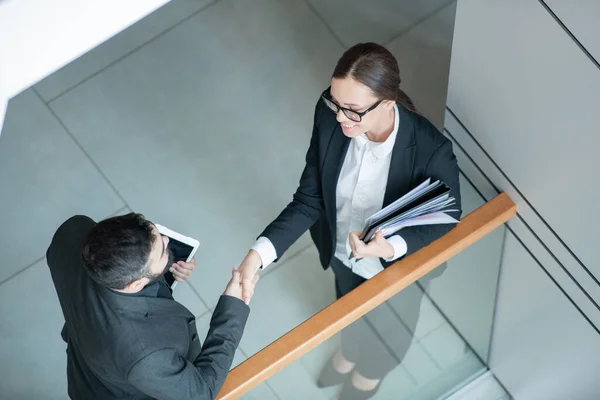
(359, 194)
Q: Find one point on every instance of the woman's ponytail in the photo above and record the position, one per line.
(405, 101)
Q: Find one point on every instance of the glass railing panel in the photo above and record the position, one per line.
(424, 342)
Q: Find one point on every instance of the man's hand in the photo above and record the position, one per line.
(182, 271)
(249, 274)
(378, 247)
(234, 287)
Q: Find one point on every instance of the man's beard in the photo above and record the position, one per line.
(155, 277)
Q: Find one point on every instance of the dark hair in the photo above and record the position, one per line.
(375, 67)
(117, 250)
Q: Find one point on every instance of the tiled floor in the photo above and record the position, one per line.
(198, 116)
(486, 387)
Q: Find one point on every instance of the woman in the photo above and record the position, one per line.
(368, 148)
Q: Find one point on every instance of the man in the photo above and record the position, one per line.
(126, 336)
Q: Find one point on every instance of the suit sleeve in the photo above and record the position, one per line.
(61, 266)
(74, 229)
(165, 374)
(444, 167)
(307, 204)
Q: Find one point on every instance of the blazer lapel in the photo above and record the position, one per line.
(332, 166)
(403, 156)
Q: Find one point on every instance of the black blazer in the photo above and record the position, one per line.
(420, 152)
(134, 347)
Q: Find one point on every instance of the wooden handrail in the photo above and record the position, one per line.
(366, 297)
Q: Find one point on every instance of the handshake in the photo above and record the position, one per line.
(244, 278)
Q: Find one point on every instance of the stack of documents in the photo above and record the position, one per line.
(427, 204)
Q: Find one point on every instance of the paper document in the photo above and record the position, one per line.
(427, 204)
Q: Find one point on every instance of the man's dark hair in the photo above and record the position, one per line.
(117, 250)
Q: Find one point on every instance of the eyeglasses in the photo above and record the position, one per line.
(352, 115)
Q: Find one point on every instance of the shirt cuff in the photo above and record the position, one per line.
(399, 245)
(265, 250)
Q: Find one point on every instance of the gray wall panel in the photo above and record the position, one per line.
(531, 97)
(582, 18)
(527, 104)
(542, 348)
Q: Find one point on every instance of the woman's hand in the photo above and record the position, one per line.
(182, 271)
(249, 273)
(234, 287)
(378, 247)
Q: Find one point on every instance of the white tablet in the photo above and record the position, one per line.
(183, 248)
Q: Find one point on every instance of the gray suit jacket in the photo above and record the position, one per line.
(136, 347)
